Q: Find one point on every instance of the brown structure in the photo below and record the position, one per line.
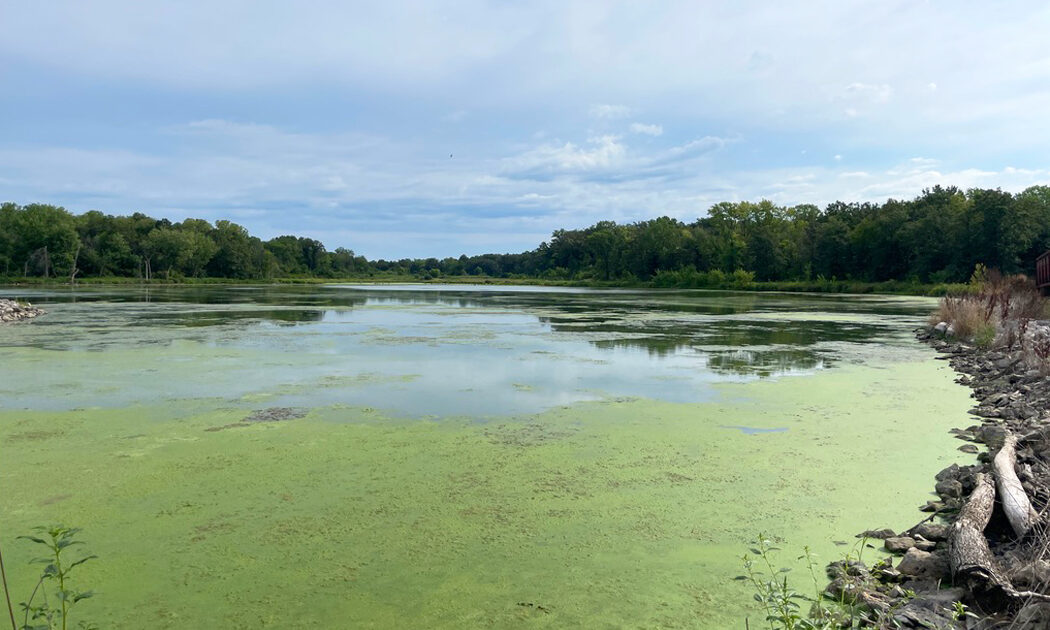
(1042, 272)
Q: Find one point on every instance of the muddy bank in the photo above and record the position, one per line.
(13, 311)
(980, 559)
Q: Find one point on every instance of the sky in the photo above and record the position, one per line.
(414, 129)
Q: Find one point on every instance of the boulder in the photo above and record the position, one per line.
(924, 545)
(932, 531)
(924, 564)
(949, 489)
(899, 544)
(931, 609)
(951, 472)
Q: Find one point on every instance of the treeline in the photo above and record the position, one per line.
(45, 240)
(938, 237)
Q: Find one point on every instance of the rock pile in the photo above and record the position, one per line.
(1012, 389)
(12, 311)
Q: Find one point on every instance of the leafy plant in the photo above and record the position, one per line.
(960, 612)
(984, 336)
(55, 578)
(782, 604)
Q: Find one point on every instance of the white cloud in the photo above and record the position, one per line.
(868, 92)
(602, 152)
(649, 130)
(609, 111)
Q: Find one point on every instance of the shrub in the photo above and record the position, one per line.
(741, 278)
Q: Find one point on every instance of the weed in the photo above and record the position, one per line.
(984, 336)
(782, 604)
(43, 616)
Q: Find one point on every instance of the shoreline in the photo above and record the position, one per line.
(836, 287)
(923, 583)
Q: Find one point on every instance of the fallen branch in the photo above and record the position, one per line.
(971, 561)
(1012, 495)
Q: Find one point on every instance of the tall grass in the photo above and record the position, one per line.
(996, 309)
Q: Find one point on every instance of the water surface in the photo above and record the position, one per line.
(430, 350)
(467, 456)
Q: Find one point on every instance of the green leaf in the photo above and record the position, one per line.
(66, 542)
(85, 595)
(80, 562)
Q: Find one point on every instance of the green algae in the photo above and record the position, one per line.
(470, 458)
(622, 512)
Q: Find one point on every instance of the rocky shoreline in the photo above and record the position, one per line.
(923, 584)
(14, 311)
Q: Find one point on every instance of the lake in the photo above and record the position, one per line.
(458, 456)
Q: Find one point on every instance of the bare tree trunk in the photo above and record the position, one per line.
(1013, 497)
(73, 274)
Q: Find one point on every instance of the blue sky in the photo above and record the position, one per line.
(337, 120)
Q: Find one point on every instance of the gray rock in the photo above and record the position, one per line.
(1031, 575)
(12, 311)
(1007, 362)
(949, 489)
(951, 472)
(968, 448)
(941, 327)
(899, 544)
(842, 568)
(992, 435)
(932, 531)
(924, 545)
(924, 564)
(931, 609)
(877, 534)
(1032, 617)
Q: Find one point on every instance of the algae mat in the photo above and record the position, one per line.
(621, 512)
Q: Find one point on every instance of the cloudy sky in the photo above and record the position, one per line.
(415, 129)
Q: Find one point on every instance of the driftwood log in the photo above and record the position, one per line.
(972, 563)
(1015, 501)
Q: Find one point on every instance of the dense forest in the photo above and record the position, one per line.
(937, 237)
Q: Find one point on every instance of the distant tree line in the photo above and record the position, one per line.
(937, 237)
